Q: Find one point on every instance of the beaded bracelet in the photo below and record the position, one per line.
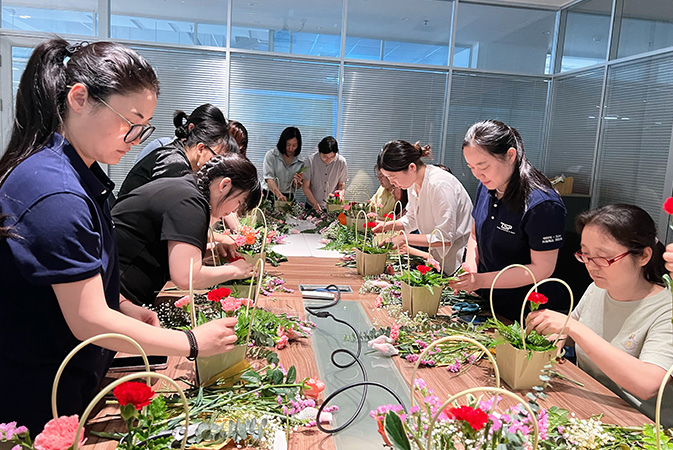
(193, 346)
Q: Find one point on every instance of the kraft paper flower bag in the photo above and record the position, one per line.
(224, 365)
(422, 286)
(370, 259)
(521, 357)
(252, 240)
(335, 202)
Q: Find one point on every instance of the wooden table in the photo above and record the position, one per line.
(585, 401)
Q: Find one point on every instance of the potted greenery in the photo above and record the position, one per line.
(335, 201)
(370, 259)
(421, 290)
(520, 356)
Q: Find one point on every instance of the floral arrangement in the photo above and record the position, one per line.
(268, 329)
(352, 209)
(368, 246)
(336, 198)
(258, 408)
(474, 426)
(341, 238)
(58, 434)
(512, 333)
(427, 276)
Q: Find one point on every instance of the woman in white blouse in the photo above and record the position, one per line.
(436, 200)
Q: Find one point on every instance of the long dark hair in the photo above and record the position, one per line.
(395, 156)
(239, 169)
(105, 68)
(497, 138)
(208, 126)
(286, 135)
(632, 227)
(240, 133)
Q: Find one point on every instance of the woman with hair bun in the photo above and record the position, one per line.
(76, 106)
(621, 327)
(518, 219)
(436, 200)
(198, 137)
(163, 224)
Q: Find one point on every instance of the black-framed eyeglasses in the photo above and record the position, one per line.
(598, 260)
(137, 131)
(211, 150)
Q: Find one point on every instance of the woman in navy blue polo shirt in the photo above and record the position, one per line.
(75, 106)
(518, 218)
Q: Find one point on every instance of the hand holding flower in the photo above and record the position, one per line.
(548, 322)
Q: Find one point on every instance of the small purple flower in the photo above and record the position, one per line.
(455, 367)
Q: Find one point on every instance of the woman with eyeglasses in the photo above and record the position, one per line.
(162, 227)
(198, 137)
(76, 106)
(621, 327)
(518, 219)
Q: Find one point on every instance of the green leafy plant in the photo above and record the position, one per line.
(512, 334)
(424, 276)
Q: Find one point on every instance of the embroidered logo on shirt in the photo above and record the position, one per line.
(552, 239)
(507, 228)
(630, 341)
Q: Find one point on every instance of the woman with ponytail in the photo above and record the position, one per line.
(76, 106)
(163, 225)
(436, 200)
(518, 219)
(621, 327)
(198, 137)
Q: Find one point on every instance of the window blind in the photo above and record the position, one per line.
(517, 101)
(269, 94)
(573, 126)
(380, 105)
(636, 135)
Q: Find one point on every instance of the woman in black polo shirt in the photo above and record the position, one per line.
(518, 218)
(76, 105)
(199, 137)
(163, 225)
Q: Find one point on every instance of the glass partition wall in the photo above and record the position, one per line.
(586, 85)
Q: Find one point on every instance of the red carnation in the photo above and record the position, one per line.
(536, 297)
(218, 294)
(134, 393)
(668, 205)
(369, 224)
(475, 417)
(389, 216)
(423, 269)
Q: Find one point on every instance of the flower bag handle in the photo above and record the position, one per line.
(124, 379)
(258, 265)
(494, 390)
(523, 308)
(357, 216)
(399, 256)
(211, 235)
(532, 275)
(461, 338)
(441, 235)
(657, 412)
(266, 232)
(83, 344)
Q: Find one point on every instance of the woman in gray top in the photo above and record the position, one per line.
(621, 327)
(282, 166)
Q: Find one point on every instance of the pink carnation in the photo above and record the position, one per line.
(59, 434)
(394, 332)
(182, 301)
(282, 342)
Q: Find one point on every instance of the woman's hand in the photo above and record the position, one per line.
(241, 269)
(128, 308)
(378, 228)
(668, 257)
(468, 282)
(217, 336)
(548, 322)
(297, 179)
(228, 250)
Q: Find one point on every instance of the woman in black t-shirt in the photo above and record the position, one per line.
(163, 225)
(199, 137)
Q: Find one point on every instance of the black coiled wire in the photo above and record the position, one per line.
(317, 311)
